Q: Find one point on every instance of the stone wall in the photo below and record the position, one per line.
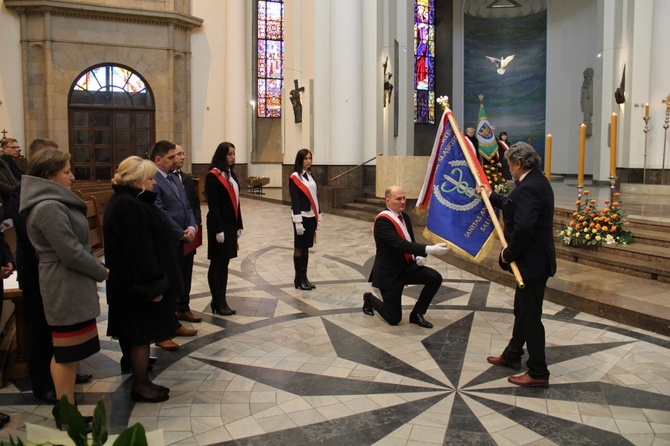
(61, 40)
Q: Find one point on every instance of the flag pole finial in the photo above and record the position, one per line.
(444, 102)
(481, 98)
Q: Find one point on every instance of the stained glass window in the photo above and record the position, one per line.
(111, 85)
(270, 57)
(424, 61)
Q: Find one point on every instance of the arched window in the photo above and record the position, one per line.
(111, 116)
(424, 61)
(270, 57)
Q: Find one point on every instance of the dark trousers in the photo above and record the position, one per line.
(217, 277)
(39, 345)
(528, 329)
(391, 309)
(186, 265)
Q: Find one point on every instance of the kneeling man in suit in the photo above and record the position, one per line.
(400, 261)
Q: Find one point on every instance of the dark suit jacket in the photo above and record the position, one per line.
(27, 263)
(528, 213)
(7, 181)
(390, 262)
(13, 166)
(299, 201)
(174, 204)
(221, 218)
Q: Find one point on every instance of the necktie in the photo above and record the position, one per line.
(516, 182)
(304, 175)
(402, 220)
(178, 173)
(171, 181)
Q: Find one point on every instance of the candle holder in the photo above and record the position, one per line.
(646, 130)
(613, 180)
(580, 190)
(666, 101)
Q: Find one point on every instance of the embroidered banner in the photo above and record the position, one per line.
(456, 215)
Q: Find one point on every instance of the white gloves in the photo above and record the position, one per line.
(239, 233)
(299, 229)
(437, 250)
(220, 237)
(421, 261)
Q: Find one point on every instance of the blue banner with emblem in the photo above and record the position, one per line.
(455, 213)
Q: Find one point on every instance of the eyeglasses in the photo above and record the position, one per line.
(180, 154)
(13, 147)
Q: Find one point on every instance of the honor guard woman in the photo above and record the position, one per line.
(306, 216)
(224, 223)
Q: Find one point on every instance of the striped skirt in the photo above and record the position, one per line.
(75, 342)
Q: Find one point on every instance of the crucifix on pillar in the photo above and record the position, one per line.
(295, 100)
(4, 133)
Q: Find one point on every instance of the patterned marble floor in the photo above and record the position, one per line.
(301, 368)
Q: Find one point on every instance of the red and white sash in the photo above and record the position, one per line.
(295, 176)
(504, 145)
(400, 228)
(229, 187)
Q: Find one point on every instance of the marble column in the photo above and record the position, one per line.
(235, 78)
(346, 84)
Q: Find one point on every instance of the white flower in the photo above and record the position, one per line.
(609, 239)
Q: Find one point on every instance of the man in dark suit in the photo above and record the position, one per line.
(171, 199)
(183, 311)
(10, 152)
(528, 213)
(400, 261)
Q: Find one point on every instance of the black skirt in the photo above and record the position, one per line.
(307, 239)
(75, 342)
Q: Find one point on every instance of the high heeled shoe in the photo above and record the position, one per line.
(137, 397)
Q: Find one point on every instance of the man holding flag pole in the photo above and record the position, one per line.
(528, 212)
(456, 214)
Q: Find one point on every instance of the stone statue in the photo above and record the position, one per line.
(295, 100)
(587, 99)
(388, 86)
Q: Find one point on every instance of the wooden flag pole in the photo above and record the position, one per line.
(485, 197)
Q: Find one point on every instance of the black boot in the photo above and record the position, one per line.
(305, 261)
(221, 307)
(300, 279)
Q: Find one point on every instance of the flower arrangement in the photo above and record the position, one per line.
(590, 226)
(498, 182)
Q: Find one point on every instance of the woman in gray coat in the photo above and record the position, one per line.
(68, 270)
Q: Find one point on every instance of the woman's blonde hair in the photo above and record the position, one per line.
(133, 171)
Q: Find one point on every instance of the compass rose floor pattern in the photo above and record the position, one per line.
(308, 367)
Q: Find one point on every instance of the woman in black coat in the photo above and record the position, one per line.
(305, 216)
(144, 274)
(224, 223)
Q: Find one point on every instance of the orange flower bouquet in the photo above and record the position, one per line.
(492, 169)
(590, 226)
